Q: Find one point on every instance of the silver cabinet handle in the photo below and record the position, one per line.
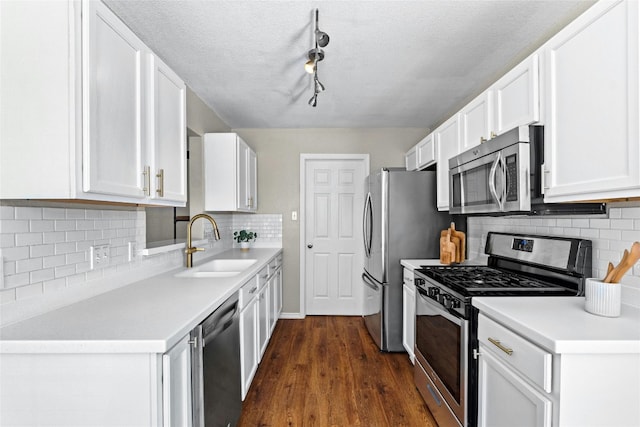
(160, 176)
(498, 344)
(309, 245)
(146, 173)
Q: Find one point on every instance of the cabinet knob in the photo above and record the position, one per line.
(493, 134)
(309, 245)
(483, 139)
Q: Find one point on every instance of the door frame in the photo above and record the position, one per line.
(304, 158)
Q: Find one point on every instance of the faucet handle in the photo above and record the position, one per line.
(191, 250)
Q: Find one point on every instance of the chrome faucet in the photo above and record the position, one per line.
(190, 249)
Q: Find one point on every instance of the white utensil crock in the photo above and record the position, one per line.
(602, 299)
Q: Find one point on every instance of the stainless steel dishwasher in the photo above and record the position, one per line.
(217, 399)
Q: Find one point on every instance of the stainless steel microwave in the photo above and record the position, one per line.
(498, 176)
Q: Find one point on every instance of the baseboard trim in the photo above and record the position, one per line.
(291, 315)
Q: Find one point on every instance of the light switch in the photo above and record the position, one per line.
(294, 215)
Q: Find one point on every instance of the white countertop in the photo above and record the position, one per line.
(148, 316)
(561, 325)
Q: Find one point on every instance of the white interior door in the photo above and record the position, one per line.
(333, 252)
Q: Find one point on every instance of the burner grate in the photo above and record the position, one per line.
(485, 279)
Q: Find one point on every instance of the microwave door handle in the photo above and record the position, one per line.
(492, 180)
(502, 175)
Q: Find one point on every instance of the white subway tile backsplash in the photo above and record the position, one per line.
(28, 213)
(610, 237)
(27, 265)
(7, 212)
(40, 226)
(27, 239)
(46, 249)
(42, 275)
(29, 291)
(14, 226)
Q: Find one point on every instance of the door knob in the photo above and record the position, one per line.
(309, 245)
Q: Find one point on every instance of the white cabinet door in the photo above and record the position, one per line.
(591, 99)
(113, 106)
(278, 298)
(447, 138)
(505, 399)
(230, 174)
(516, 97)
(426, 152)
(252, 181)
(176, 385)
(167, 133)
(476, 119)
(273, 294)
(409, 317)
(264, 331)
(248, 344)
(242, 178)
(411, 159)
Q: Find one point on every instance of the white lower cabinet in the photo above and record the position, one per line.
(260, 307)
(409, 313)
(248, 335)
(176, 385)
(521, 383)
(264, 331)
(505, 399)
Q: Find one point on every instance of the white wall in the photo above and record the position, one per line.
(611, 234)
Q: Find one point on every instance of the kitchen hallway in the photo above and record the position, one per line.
(327, 371)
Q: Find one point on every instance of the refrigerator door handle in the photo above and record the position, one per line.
(367, 281)
(367, 224)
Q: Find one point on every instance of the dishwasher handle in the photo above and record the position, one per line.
(223, 322)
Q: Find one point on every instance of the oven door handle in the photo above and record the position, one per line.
(441, 311)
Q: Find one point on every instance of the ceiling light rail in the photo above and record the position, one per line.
(315, 55)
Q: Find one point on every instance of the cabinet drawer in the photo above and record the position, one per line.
(247, 293)
(263, 275)
(527, 358)
(273, 266)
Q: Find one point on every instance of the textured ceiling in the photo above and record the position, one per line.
(389, 63)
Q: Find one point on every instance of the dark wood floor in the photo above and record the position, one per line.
(326, 371)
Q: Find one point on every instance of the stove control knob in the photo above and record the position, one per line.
(443, 298)
(433, 292)
(450, 302)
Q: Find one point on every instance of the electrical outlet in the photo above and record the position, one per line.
(100, 255)
(133, 249)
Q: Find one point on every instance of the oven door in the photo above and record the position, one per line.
(441, 349)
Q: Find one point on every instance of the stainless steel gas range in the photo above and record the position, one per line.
(446, 322)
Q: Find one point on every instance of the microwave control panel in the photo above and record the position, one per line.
(512, 177)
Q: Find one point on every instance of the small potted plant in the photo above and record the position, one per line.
(244, 237)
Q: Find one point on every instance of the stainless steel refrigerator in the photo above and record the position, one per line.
(400, 220)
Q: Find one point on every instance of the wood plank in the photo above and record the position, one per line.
(327, 371)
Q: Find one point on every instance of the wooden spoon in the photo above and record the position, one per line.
(612, 273)
(627, 263)
(609, 269)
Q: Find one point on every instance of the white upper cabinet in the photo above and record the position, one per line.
(78, 118)
(167, 133)
(426, 152)
(516, 97)
(476, 120)
(113, 139)
(447, 138)
(411, 159)
(230, 174)
(591, 106)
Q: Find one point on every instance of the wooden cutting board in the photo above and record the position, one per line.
(447, 249)
(458, 238)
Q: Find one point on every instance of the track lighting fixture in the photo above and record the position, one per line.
(316, 55)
